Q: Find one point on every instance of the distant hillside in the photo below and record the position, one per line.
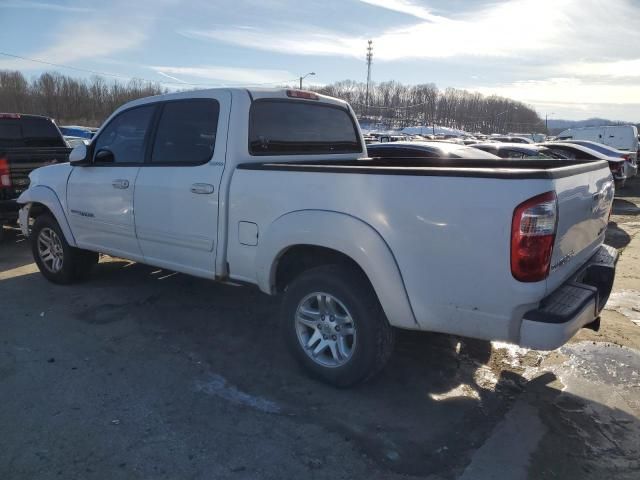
(556, 126)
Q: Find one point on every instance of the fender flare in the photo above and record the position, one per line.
(47, 197)
(348, 235)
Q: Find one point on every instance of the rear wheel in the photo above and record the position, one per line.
(334, 325)
(57, 260)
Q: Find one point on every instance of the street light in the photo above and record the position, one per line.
(305, 76)
(546, 121)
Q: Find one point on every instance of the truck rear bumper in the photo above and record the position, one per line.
(576, 303)
(8, 211)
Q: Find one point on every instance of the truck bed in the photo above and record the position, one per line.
(481, 168)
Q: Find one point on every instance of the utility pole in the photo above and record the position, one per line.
(546, 121)
(369, 60)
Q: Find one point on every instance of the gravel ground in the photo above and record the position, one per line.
(147, 374)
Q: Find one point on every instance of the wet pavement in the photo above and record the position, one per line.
(142, 373)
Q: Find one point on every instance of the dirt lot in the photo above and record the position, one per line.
(143, 373)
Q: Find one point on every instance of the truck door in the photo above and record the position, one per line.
(100, 194)
(176, 192)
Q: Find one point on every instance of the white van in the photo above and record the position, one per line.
(622, 137)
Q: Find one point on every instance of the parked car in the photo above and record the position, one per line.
(536, 137)
(77, 131)
(26, 142)
(75, 141)
(510, 139)
(574, 151)
(621, 137)
(630, 166)
(432, 149)
(392, 138)
(516, 150)
(272, 188)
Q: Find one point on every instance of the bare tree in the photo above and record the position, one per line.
(66, 99)
(394, 105)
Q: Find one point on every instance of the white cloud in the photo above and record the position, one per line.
(403, 6)
(46, 6)
(523, 29)
(94, 37)
(295, 41)
(567, 90)
(233, 75)
(573, 98)
(615, 69)
(512, 28)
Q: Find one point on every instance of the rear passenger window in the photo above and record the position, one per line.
(186, 132)
(10, 133)
(278, 127)
(41, 132)
(124, 136)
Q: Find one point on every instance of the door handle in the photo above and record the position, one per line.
(120, 183)
(202, 188)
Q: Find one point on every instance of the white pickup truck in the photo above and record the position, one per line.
(274, 188)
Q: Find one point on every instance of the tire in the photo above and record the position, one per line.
(67, 264)
(349, 304)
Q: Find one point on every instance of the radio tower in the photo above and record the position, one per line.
(369, 60)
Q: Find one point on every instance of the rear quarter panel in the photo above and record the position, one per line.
(450, 237)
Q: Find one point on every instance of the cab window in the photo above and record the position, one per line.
(123, 140)
(186, 132)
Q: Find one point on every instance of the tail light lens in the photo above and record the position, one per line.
(533, 232)
(616, 167)
(5, 173)
(302, 94)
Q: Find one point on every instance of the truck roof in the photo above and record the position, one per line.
(254, 93)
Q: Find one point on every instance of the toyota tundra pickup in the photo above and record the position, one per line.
(274, 188)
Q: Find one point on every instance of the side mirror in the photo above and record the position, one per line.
(78, 155)
(105, 155)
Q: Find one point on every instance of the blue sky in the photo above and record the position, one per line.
(567, 58)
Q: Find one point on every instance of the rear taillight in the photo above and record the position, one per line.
(533, 231)
(5, 173)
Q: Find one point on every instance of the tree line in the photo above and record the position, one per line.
(393, 105)
(69, 100)
(388, 104)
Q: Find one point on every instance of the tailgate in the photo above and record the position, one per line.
(22, 161)
(584, 203)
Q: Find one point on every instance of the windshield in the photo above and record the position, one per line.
(598, 147)
(546, 153)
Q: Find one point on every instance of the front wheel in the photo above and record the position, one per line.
(334, 325)
(58, 261)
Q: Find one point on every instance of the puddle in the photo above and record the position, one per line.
(600, 363)
(627, 303)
